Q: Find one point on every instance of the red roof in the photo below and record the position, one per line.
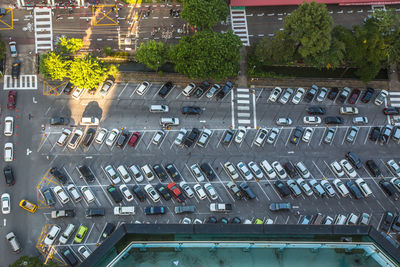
(298, 2)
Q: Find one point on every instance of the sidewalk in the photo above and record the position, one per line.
(242, 77)
(394, 84)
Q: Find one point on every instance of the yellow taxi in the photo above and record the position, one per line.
(25, 204)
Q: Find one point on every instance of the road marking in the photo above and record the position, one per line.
(239, 101)
(123, 89)
(254, 110)
(232, 111)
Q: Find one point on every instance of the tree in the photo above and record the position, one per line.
(70, 46)
(53, 66)
(276, 50)
(153, 54)
(208, 55)
(204, 14)
(88, 72)
(3, 48)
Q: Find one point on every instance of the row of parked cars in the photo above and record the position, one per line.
(351, 219)
(320, 94)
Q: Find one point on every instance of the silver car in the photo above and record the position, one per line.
(179, 139)
(204, 137)
(213, 90)
(158, 137)
(322, 94)
(286, 96)
(351, 136)
(273, 135)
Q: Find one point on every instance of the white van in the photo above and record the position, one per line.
(9, 126)
(340, 220)
(88, 195)
(91, 121)
(14, 244)
(67, 234)
(124, 174)
(269, 171)
(188, 89)
(147, 172)
(159, 108)
(143, 88)
(169, 121)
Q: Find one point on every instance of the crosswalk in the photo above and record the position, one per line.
(394, 98)
(43, 29)
(243, 108)
(239, 25)
(24, 82)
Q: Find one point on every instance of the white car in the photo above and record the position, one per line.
(101, 135)
(125, 192)
(275, 94)
(245, 171)
(152, 193)
(186, 189)
(84, 252)
(9, 126)
(360, 120)
(112, 137)
(312, 120)
(286, 96)
(337, 169)
(107, 85)
(158, 137)
(179, 139)
(240, 134)
(298, 96)
(380, 98)
(328, 188)
(279, 170)
(78, 92)
(87, 194)
(231, 171)
(256, 170)
(261, 136)
(64, 137)
(304, 186)
(8, 152)
(112, 174)
(13, 48)
(214, 89)
(322, 94)
(348, 110)
(186, 220)
(302, 170)
(273, 135)
(396, 183)
(211, 191)
(61, 195)
(199, 191)
(136, 173)
(394, 167)
(75, 139)
(340, 187)
(365, 190)
(307, 134)
(198, 175)
(148, 173)
(5, 203)
(124, 174)
(348, 168)
(267, 168)
(52, 235)
(74, 193)
(203, 139)
(284, 121)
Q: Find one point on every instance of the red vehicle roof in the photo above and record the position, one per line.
(298, 2)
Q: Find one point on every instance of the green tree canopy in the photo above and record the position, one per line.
(70, 45)
(208, 54)
(3, 48)
(204, 14)
(153, 54)
(53, 66)
(88, 72)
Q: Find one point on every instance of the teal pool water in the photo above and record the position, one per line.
(232, 257)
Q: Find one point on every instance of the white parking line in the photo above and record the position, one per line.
(290, 134)
(137, 86)
(233, 110)
(98, 239)
(165, 137)
(90, 231)
(140, 139)
(264, 191)
(320, 141)
(254, 110)
(366, 137)
(318, 169)
(123, 89)
(105, 193)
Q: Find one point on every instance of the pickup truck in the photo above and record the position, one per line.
(124, 210)
(220, 207)
(62, 213)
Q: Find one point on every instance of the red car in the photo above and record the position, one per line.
(355, 94)
(176, 192)
(134, 138)
(12, 99)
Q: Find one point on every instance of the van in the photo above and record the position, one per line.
(97, 212)
(318, 219)
(143, 88)
(169, 121)
(340, 219)
(159, 108)
(90, 121)
(67, 234)
(266, 167)
(13, 241)
(352, 220)
(188, 89)
(87, 194)
(124, 174)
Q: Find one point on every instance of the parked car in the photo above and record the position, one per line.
(213, 90)
(316, 110)
(201, 89)
(352, 134)
(191, 138)
(229, 134)
(283, 121)
(286, 96)
(275, 94)
(208, 171)
(240, 134)
(176, 192)
(298, 96)
(12, 99)
(16, 69)
(373, 168)
(333, 93)
(204, 137)
(367, 95)
(105, 88)
(165, 89)
(334, 120)
(329, 135)
(312, 120)
(307, 134)
(280, 206)
(261, 136)
(112, 137)
(155, 210)
(387, 221)
(374, 133)
(191, 110)
(158, 137)
(13, 48)
(283, 190)
(322, 94)
(247, 191)
(355, 94)
(355, 191)
(380, 98)
(123, 138)
(296, 135)
(311, 94)
(224, 91)
(173, 172)
(343, 95)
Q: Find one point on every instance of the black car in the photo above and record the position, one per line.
(385, 134)
(354, 160)
(290, 169)
(387, 221)
(247, 191)
(56, 173)
(159, 171)
(334, 120)
(282, 188)
(367, 95)
(139, 192)
(343, 95)
(108, 230)
(191, 110)
(89, 137)
(373, 168)
(86, 173)
(236, 220)
(165, 89)
(59, 121)
(15, 70)
(355, 191)
(122, 139)
(191, 138)
(115, 193)
(173, 172)
(201, 89)
(208, 171)
(94, 212)
(155, 210)
(333, 93)
(228, 137)
(316, 111)
(374, 133)
(387, 188)
(69, 256)
(310, 94)
(48, 196)
(212, 219)
(396, 224)
(296, 136)
(68, 88)
(9, 175)
(163, 191)
(224, 91)
(391, 111)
